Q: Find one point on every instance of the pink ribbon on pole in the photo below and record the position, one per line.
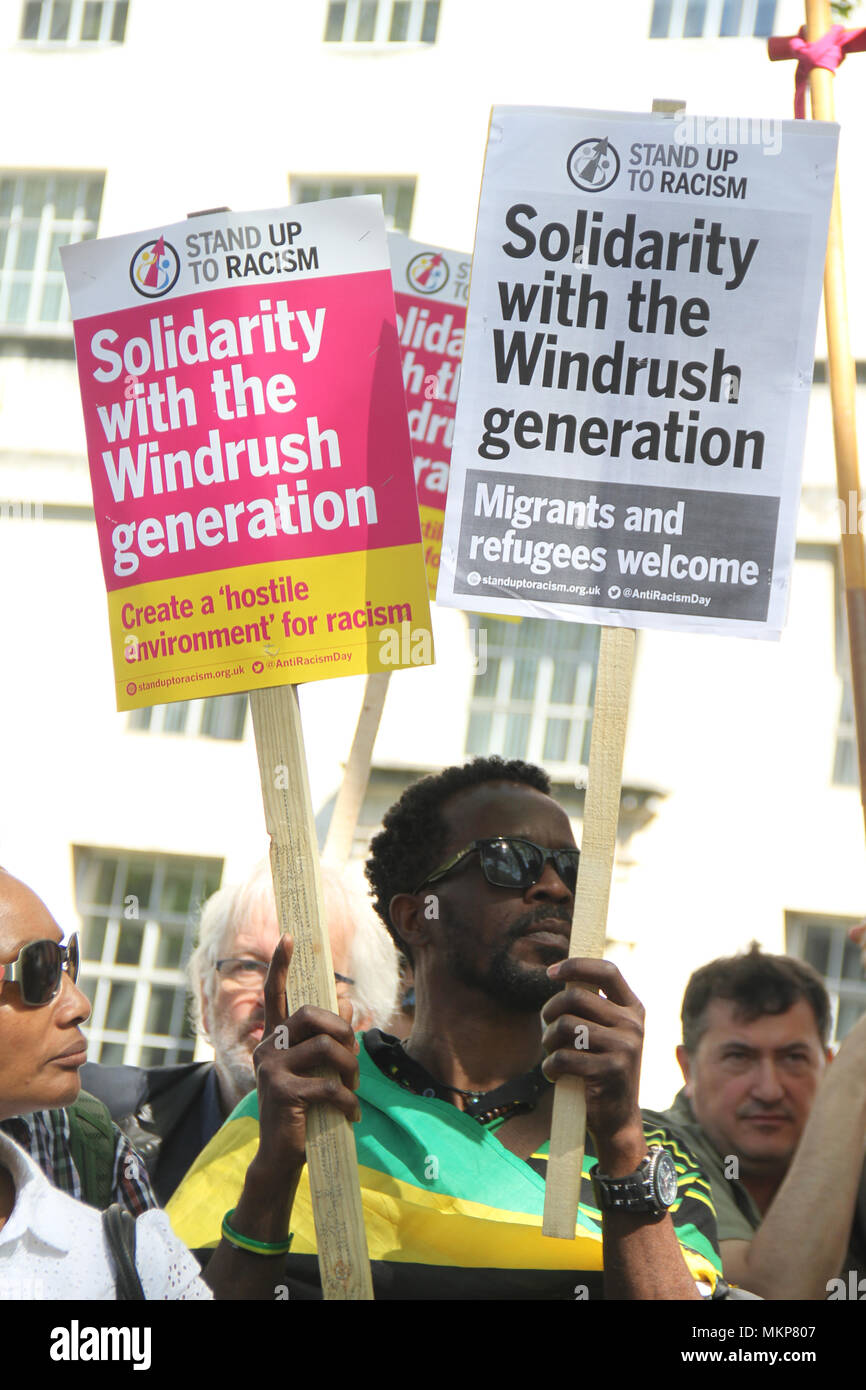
(827, 52)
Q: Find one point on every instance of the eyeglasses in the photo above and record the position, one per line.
(510, 862)
(250, 974)
(38, 970)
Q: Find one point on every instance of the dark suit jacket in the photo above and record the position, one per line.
(168, 1113)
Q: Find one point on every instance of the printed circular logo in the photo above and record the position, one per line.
(427, 272)
(154, 268)
(593, 165)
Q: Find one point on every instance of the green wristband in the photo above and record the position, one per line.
(253, 1247)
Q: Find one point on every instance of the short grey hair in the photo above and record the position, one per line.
(373, 959)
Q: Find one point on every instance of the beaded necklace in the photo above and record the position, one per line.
(515, 1097)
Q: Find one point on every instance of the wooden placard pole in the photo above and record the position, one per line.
(843, 398)
(350, 797)
(344, 1264)
(332, 1165)
(600, 817)
(601, 812)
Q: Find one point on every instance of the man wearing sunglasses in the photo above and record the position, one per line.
(474, 875)
(52, 1246)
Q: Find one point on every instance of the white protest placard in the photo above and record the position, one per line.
(636, 374)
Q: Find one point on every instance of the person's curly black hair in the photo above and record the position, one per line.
(410, 845)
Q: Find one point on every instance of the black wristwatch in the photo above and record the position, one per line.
(652, 1188)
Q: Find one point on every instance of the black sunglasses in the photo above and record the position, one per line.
(38, 970)
(511, 862)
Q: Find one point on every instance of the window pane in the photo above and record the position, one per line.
(334, 23)
(111, 1054)
(817, 948)
(695, 14)
(177, 891)
(4, 236)
(516, 735)
(431, 21)
(53, 308)
(661, 19)
(556, 740)
(119, 1006)
(103, 882)
(366, 21)
(765, 19)
(18, 302)
(478, 733)
(58, 239)
(118, 23)
(564, 679)
(30, 22)
(7, 194)
(487, 681)
(60, 19)
(159, 1011)
(65, 198)
(169, 952)
(224, 716)
(403, 207)
(139, 884)
(524, 677)
(731, 18)
(139, 719)
(25, 256)
(93, 938)
(399, 30)
(92, 21)
(176, 717)
(35, 196)
(93, 198)
(129, 942)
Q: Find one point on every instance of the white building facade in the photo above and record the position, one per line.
(741, 815)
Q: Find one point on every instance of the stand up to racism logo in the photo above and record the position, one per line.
(593, 165)
(154, 268)
(427, 272)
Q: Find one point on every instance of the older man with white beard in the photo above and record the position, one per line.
(170, 1113)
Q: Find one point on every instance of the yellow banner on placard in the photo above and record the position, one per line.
(272, 624)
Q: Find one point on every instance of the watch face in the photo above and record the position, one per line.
(666, 1179)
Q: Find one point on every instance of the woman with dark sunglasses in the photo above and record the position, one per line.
(52, 1246)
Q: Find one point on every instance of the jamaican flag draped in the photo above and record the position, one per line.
(449, 1211)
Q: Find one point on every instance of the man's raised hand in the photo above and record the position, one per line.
(289, 1061)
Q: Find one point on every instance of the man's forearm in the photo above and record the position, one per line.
(643, 1259)
(802, 1240)
(263, 1214)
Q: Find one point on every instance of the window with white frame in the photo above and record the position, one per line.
(712, 19)
(223, 717)
(823, 943)
(377, 21)
(138, 914)
(398, 195)
(39, 213)
(74, 21)
(533, 691)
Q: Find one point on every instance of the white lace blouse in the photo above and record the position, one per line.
(53, 1247)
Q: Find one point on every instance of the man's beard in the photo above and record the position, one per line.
(235, 1059)
(521, 987)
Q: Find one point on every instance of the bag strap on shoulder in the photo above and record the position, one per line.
(119, 1227)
